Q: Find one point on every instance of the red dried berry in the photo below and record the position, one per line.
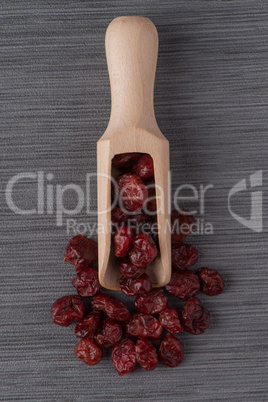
(183, 256)
(99, 302)
(118, 215)
(88, 351)
(195, 317)
(87, 327)
(182, 223)
(109, 334)
(125, 161)
(144, 250)
(144, 167)
(83, 264)
(117, 310)
(132, 192)
(67, 309)
(124, 357)
(211, 281)
(123, 241)
(146, 354)
(153, 303)
(171, 351)
(86, 282)
(170, 319)
(183, 284)
(144, 326)
(81, 250)
(136, 286)
(129, 270)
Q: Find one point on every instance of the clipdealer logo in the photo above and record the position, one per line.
(51, 197)
(255, 222)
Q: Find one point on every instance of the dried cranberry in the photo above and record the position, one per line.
(118, 215)
(153, 303)
(144, 250)
(83, 264)
(81, 250)
(195, 317)
(123, 241)
(109, 334)
(67, 309)
(88, 351)
(129, 270)
(136, 286)
(146, 354)
(170, 319)
(183, 256)
(143, 326)
(182, 222)
(125, 161)
(124, 357)
(171, 351)
(144, 167)
(99, 302)
(88, 326)
(116, 310)
(183, 284)
(87, 282)
(211, 281)
(132, 192)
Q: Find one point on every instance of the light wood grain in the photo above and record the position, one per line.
(131, 48)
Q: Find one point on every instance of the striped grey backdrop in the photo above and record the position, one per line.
(211, 103)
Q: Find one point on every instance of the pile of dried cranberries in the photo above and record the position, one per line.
(103, 321)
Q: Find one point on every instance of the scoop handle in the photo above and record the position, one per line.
(131, 45)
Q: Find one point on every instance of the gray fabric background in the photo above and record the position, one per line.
(211, 103)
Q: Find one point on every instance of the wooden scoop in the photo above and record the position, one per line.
(131, 49)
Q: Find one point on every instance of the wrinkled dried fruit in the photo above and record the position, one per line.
(87, 282)
(88, 351)
(113, 307)
(132, 192)
(123, 241)
(182, 223)
(183, 256)
(117, 310)
(67, 309)
(183, 284)
(124, 357)
(136, 286)
(146, 354)
(144, 167)
(211, 281)
(118, 215)
(170, 319)
(87, 327)
(109, 334)
(152, 303)
(144, 250)
(125, 161)
(99, 302)
(81, 250)
(195, 317)
(129, 270)
(171, 351)
(143, 326)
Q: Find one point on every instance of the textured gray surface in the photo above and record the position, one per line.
(211, 103)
